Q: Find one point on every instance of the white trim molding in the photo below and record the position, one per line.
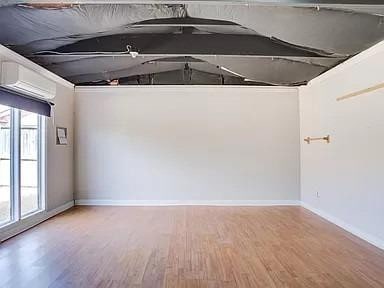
(103, 89)
(347, 227)
(27, 223)
(109, 202)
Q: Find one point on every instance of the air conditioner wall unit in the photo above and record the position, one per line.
(21, 79)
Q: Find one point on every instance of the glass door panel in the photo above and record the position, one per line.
(5, 164)
(29, 164)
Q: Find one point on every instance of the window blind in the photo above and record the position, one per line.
(20, 101)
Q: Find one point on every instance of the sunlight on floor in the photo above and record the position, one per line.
(29, 200)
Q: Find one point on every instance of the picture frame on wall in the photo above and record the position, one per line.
(61, 136)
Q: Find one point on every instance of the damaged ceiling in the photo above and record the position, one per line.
(191, 43)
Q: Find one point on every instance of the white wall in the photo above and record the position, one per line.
(60, 160)
(348, 173)
(185, 143)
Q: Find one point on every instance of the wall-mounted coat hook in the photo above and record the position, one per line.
(326, 138)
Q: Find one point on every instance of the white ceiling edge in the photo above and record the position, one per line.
(370, 52)
(13, 56)
(271, 89)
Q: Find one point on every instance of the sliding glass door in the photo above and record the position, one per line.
(5, 164)
(29, 163)
(20, 164)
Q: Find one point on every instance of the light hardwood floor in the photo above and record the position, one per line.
(189, 247)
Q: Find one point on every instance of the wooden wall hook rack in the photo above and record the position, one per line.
(326, 138)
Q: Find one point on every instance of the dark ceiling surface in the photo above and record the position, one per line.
(192, 43)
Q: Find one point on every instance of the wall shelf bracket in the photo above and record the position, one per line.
(310, 139)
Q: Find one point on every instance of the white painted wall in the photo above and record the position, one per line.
(60, 160)
(348, 173)
(185, 143)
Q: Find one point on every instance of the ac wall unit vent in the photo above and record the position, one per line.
(18, 78)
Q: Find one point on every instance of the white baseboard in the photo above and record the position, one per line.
(25, 224)
(28, 223)
(98, 202)
(351, 229)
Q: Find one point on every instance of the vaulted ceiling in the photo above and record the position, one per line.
(191, 43)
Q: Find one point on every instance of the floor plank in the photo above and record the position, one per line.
(189, 246)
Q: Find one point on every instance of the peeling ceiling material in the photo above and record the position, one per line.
(332, 31)
(187, 44)
(183, 77)
(96, 65)
(45, 29)
(271, 70)
(299, 3)
(275, 71)
(49, 6)
(147, 66)
(158, 43)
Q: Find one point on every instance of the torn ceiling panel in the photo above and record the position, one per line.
(323, 61)
(275, 71)
(147, 65)
(279, 45)
(140, 69)
(210, 68)
(187, 44)
(185, 77)
(326, 3)
(332, 31)
(208, 25)
(46, 60)
(323, 29)
(73, 24)
(149, 27)
(374, 7)
(194, 77)
(96, 65)
(50, 44)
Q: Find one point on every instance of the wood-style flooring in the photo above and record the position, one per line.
(189, 246)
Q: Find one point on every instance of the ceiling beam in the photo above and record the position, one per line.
(187, 44)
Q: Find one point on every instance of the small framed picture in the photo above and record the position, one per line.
(61, 136)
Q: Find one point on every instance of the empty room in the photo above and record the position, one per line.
(197, 143)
